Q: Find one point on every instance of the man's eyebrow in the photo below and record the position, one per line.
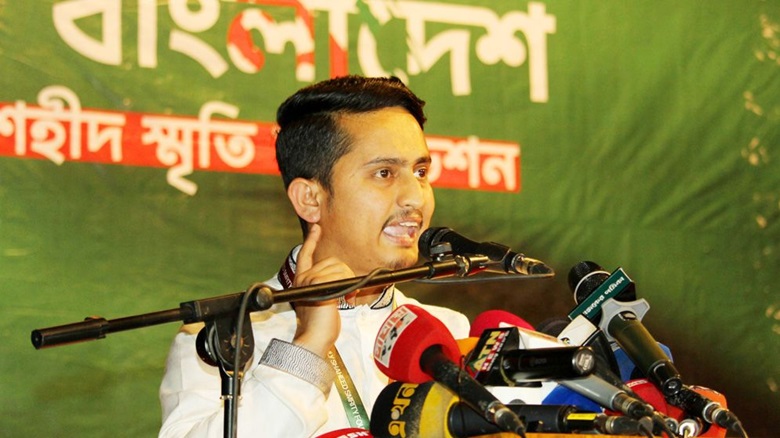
(397, 161)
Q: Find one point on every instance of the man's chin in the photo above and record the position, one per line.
(402, 261)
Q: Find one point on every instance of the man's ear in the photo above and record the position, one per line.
(306, 198)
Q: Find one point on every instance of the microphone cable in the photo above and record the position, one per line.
(240, 327)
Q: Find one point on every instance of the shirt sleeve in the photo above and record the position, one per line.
(274, 401)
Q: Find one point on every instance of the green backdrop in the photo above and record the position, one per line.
(647, 135)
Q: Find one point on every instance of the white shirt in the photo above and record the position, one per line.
(274, 403)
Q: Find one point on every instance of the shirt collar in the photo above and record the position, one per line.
(286, 276)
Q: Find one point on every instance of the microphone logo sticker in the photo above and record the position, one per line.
(487, 355)
(611, 287)
(391, 330)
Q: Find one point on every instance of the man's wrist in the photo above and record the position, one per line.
(299, 362)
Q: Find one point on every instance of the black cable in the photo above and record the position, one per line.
(237, 355)
(363, 282)
(742, 430)
(240, 327)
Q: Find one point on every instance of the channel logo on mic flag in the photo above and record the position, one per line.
(487, 350)
(391, 330)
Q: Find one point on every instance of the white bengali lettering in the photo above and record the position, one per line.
(491, 162)
(60, 116)
(107, 49)
(175, 141)
(232, 140)
(514, 38)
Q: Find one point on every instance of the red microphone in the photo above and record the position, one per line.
(492, 319)
(403, 339)
(413, 346)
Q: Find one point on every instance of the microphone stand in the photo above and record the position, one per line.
(221, 343)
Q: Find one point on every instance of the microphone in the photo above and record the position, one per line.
(524, 365)
(413, 346)
(620, 321)
(510, 262)
(547, 364)
(586, 276)
(580, 331)
(496, 318)
(497, 342)
(609, 396)
(665, 418)
(430, 410)
(530, 339)
(491, 363)
(708, 410)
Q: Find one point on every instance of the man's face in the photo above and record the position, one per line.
(381, 199)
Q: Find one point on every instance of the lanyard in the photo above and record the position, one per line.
(350, 399)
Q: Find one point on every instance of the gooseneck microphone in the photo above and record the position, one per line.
(509, 261)
(413, 346)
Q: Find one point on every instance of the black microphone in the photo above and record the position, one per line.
(586, 276)
(429, 410)
(510, 262)
(606, 365)
(495, 343)
(413, 346)
(523, 365)
(620, 321)
(700, 406)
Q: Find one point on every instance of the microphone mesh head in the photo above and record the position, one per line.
(584, 278)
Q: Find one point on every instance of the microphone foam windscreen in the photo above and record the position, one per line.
(492, 319)
(403, 338)
(412, 410)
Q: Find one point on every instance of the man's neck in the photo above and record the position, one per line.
(364, 296)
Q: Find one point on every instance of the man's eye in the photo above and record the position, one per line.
(383, 173)
(422, 172)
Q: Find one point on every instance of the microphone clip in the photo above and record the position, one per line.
(611, 308)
